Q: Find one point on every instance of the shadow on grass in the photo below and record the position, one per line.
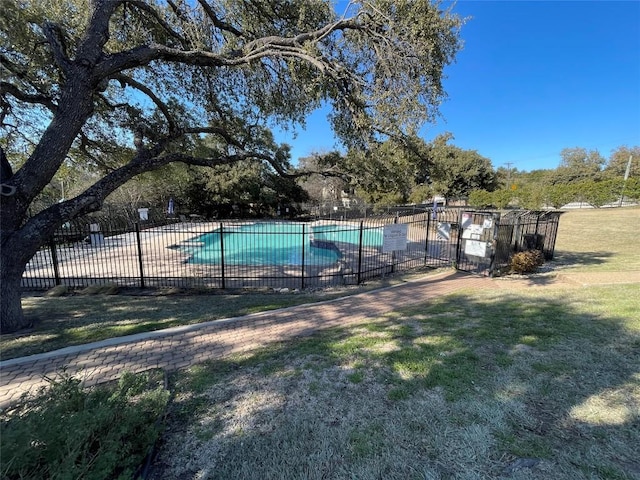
(558, 385)
(582, 259)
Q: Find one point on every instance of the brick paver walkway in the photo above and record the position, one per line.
(180, 347)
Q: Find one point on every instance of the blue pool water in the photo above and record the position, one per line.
(371, 237)
(278, 244)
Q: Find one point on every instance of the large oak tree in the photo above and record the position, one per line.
(127, 86)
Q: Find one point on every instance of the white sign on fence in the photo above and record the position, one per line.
(394, 237)
(475, 248)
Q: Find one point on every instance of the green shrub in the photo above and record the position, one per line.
(526, 262)
(480, 198)
(69, 432)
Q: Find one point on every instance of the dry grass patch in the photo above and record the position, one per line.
(599, 240)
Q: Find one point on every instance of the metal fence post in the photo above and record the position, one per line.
(426, 235)
(139, 242)
(458, 240)
(54, 260)
(556, 224)
(360, 250)
(222, 255)
(302, 266)
(494, 243)
(393, 253)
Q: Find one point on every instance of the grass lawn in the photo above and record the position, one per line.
(533, 383)
(78, 319)
(599, 240)
(529, 384)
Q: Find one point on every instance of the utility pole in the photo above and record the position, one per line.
(508, 164)
(626, 177)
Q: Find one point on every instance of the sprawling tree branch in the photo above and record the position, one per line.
(125, 80)
(217, 22)
(6, 172)
(302, 38)
(91, 47)
(9, 88)
(55, 37)
(18, 70)
(146, 8)
(91, 199)
(254, 50)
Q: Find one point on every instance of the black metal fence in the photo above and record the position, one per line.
(338, 249)
(525, 230)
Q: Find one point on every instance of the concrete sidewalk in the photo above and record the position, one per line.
(179, 347)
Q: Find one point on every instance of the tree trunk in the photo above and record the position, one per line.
(11, 315)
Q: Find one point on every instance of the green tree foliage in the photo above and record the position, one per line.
(407, 168)
(242, 189)
(597, 193)
(578, 164)
(578, 178)
(632, 189)
(327, 184)
(152, 189)
(506, 177)
(530, 196)
(497, 199)
(384, 174)
(456, 172)
(502, 197)
(123, 87)
(560, 194)
(480, 199)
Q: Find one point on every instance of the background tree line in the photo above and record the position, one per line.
(392, 172)
(411, 170)
(398, 171)
(582, 176)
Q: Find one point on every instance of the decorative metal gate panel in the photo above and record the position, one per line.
(442, 237)
(477, 242)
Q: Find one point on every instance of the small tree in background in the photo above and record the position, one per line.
(578, 164)
(616, 166)
(481, 199)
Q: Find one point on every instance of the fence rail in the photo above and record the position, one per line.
(181, 252)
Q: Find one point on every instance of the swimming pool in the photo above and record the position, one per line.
(272, 243)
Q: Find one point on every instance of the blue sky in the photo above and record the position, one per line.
(534, 77)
